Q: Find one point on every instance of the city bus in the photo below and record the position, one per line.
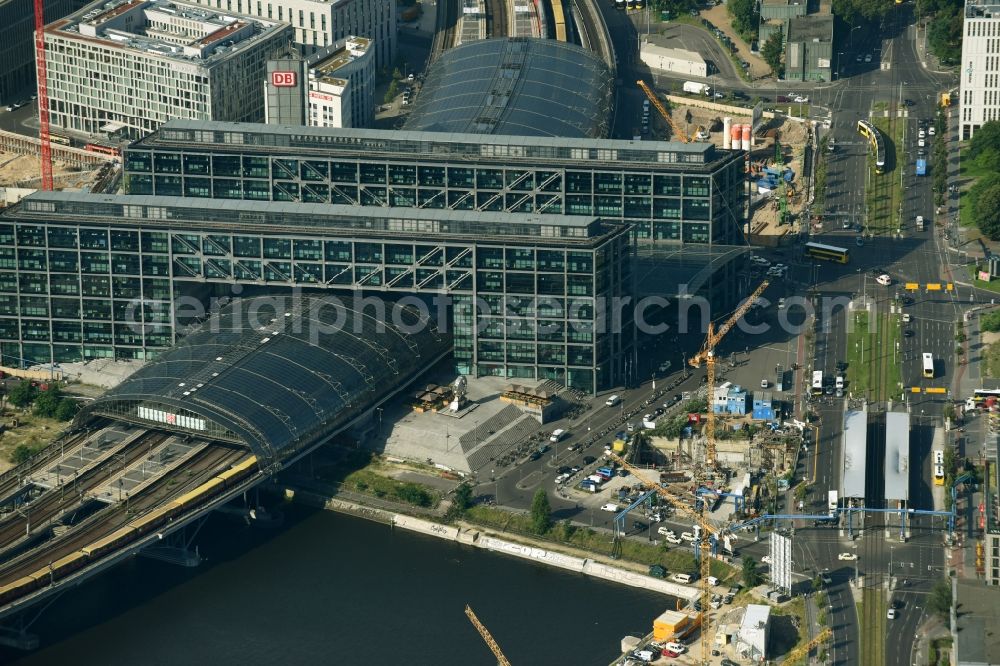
(938, 467)
(982, 394)
(927, 360)
(817, 382)
(828, 252)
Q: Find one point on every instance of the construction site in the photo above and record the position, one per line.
(775, 144)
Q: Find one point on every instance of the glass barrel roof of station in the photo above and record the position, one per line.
(278, 372)
(517, 86)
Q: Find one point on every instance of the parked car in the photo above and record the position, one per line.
(849, 557)
(611, 507)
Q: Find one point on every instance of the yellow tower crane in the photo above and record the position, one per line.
(487, 637)
(678, 132)
(707, 354)
(803, 650)
(706, 548)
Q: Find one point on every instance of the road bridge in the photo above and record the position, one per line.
(255, 387)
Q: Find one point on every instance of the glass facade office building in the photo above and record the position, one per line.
(86, 276)
(676, 193)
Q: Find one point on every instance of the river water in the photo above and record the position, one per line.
(333, 589)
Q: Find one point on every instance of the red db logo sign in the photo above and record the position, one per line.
(283, 79)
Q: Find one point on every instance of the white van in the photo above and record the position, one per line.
(612, 401)
(683, 579)
(557, 435)
(611, 508)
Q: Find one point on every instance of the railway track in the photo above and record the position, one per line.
(497, 18)
(10, 481)
(56, 501)
(105, 521)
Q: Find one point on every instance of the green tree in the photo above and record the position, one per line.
(22, 394)
(948, 412)
(939, 601)
(396, 74)
(751, 574)
(463, 498)
(66, 410)
(772, 52)
(987, 137)
(391, 93)
(47, 402)
(22, 453)
(990, 321)
(800, 492)
(857, 11)
(944, 35)
(541, 512)
(744, 15)
(986, 212)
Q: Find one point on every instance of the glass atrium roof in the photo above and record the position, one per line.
(281, 372)
(517, 86)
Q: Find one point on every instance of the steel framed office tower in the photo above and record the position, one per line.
(533, 296)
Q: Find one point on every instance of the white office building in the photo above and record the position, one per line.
(979, 99)
(129, 68)
(334, 87)
(321, 23)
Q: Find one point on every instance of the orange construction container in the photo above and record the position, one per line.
(669, 624)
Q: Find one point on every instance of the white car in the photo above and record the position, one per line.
(800, 99)
(687, 536)
(674, 540)
(907, 318)
(664, 531)
(675, 647)
(611, 508)
(921, 134)
(562, 478)
(764, 383)
(849, 557)
(868, 57)
(766, 559)
(781, 303)
(930, 130)
(891, 614)
(884, 280)
(921, 143)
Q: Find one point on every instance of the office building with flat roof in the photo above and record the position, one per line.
(17, 44)
(130, 67)
(979, 98)
(334, 87)
(320, 23)
(536, 296)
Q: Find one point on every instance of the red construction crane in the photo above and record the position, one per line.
(43, 96)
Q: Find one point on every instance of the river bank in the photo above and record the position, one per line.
(520, 546)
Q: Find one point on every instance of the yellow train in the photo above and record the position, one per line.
(130, 532)
(559, 19)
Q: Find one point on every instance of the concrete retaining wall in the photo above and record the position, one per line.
(425, 527)
(616, 575)
(531, 553)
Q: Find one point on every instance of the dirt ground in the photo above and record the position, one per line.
(24, 170)
(791, 134)
(720, 19)
(32, 430)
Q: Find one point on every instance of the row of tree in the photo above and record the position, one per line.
(50, 403)
(984, 196)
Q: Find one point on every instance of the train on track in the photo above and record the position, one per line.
(132, 531)
(559, 19)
